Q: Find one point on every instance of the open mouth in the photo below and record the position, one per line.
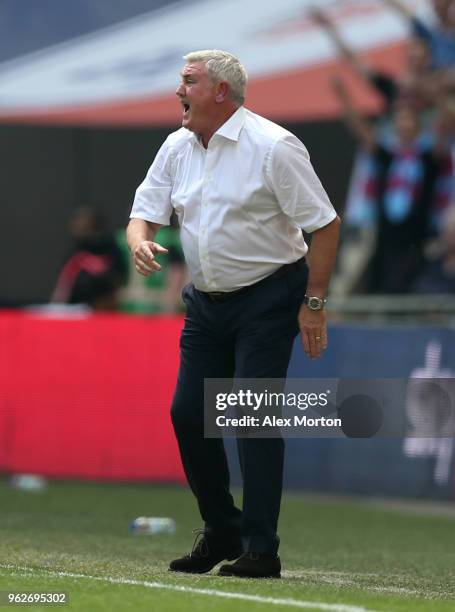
(186, 108)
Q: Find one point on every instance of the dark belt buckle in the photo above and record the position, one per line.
(217, 296)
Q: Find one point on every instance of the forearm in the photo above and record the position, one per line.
(342, 47)
(360, 128)
(348, 54)
(357, 124)
(321, 257)
(139, 230)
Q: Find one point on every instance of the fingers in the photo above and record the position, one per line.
(144, 257)
(313, 330)
(314, 337)
(305, 341)
(158, 248)
(315, 346)
(324, 341)
(314, 342)
(143, 268)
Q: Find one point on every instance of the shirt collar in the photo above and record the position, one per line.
(230, 128)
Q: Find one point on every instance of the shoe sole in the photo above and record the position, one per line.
(232, 574)
(231, 557)
(205, 571)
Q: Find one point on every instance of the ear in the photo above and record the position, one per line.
(222, 91)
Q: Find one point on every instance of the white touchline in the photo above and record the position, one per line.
(340, 581)
(296, 603)
(348, 579)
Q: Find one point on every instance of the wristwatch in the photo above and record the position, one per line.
(314, 303)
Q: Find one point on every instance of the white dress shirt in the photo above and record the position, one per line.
(241, 203)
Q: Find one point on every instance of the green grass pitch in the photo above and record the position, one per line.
(338, 555)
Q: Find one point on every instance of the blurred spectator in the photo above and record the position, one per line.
(440, 37)
(95, 268)
(447, 122)
(402, 190)
(438, 274)
(412, 89)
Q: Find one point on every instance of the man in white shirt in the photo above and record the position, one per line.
(243, 188)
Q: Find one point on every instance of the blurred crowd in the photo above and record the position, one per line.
(399, 217)
(399, 220)
(98, 271)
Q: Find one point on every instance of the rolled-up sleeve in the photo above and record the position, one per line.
(297, 186)
(152, 201)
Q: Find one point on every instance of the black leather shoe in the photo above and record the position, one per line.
(203, 557)
(253, 565)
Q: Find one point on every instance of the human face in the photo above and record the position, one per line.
(197, 94)
(407, 125)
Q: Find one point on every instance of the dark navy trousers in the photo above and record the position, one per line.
(249, 335)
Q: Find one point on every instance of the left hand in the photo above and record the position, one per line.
(313, 330)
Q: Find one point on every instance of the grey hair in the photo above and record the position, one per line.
(223, 66)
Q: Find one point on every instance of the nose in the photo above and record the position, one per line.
(180, 90)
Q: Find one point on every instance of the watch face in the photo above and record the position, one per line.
(315, 303)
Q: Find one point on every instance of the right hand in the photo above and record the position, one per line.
(144, 257)
(320, 18)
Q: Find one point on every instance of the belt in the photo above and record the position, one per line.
(224, 296)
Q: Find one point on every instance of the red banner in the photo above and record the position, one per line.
(89, 397)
